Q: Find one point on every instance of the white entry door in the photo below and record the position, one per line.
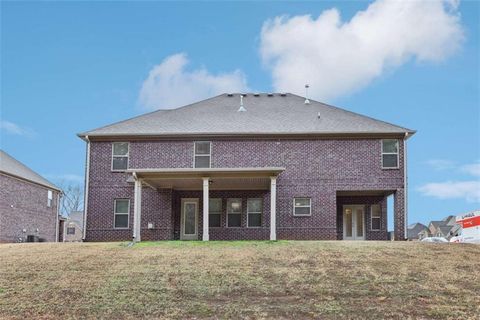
(189, 219)
(353, 222)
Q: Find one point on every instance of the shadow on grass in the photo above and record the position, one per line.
(188, 244)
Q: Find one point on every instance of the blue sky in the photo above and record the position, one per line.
(72, 66)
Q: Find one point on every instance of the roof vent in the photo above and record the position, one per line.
(230, 94)
(270, 94)
(256, 94)
(241, 109)
(306, 94)
(283, 94)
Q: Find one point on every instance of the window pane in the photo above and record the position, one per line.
(120, 163)
(234, 206)
(121, 206)
(202, 161)
(254, 219)
(254, 205)
(214, 220)
(50, 194)
(215, 205)
(390, 145)
(234, 220)
(376, 224)
(202, 147)
(70, 230)
(302, 201)
(302, 211)
(120, 148)
(390, 161)
(376, 210)
(189, 216)
(359, 222)
(121, 220)
(348, 222)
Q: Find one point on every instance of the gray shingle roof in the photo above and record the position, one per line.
(274, 114)
(12, 166)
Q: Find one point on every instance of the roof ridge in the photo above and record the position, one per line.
(355, 113)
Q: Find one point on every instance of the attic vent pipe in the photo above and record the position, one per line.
(306, 94)
(241, 109)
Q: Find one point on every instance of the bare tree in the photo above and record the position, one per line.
(72, 199)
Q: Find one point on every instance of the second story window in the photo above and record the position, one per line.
(49, 198)
(390, 154)
(120, 156)
(202, 154)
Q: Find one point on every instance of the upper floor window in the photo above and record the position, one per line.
(390, 153)
(302, 206)
(375, 216)
(49, 198)
(202, 154)
(254, 212)
(120, 156)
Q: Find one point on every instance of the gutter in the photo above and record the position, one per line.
(87, 175)
(405, 181)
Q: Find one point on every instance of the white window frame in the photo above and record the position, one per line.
(254, 212)
(309, 206)
(372, 217)
(218, 213)
(115, 214)
(397, 153)
(209, 155)
(229, 200)
(49, 198)
(125, 156)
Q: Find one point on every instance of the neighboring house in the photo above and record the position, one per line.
(28, 203)
(267, 166)
(416, 231)
(445, 228)
(73, 227)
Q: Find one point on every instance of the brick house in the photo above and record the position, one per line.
(269, 166)
(29, 204)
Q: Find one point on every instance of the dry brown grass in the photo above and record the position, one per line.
(327, 280)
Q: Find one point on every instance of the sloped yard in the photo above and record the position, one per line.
(328, 280)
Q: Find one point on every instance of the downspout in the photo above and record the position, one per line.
(58, 215)
(405, 177)
(85, 202)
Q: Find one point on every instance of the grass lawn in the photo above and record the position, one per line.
(327, 280)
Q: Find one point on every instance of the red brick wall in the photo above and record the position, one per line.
(23, 206)
(314, 168)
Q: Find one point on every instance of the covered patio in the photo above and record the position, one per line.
(204, 180)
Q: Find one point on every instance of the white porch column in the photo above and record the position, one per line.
(206, 182)
(273, 208)
(137, 210)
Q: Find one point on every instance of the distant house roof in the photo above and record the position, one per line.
(13, 167)
(414, 229)
(266, 114)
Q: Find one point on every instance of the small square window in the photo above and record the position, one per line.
(390, 153)
(302, 206)
(70, 230)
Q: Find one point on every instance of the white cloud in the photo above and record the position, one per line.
(170, 85)
(473, 169)
(468, 190)
(15, 129)
(338, 58)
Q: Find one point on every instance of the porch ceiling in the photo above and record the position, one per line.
(220, 178)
